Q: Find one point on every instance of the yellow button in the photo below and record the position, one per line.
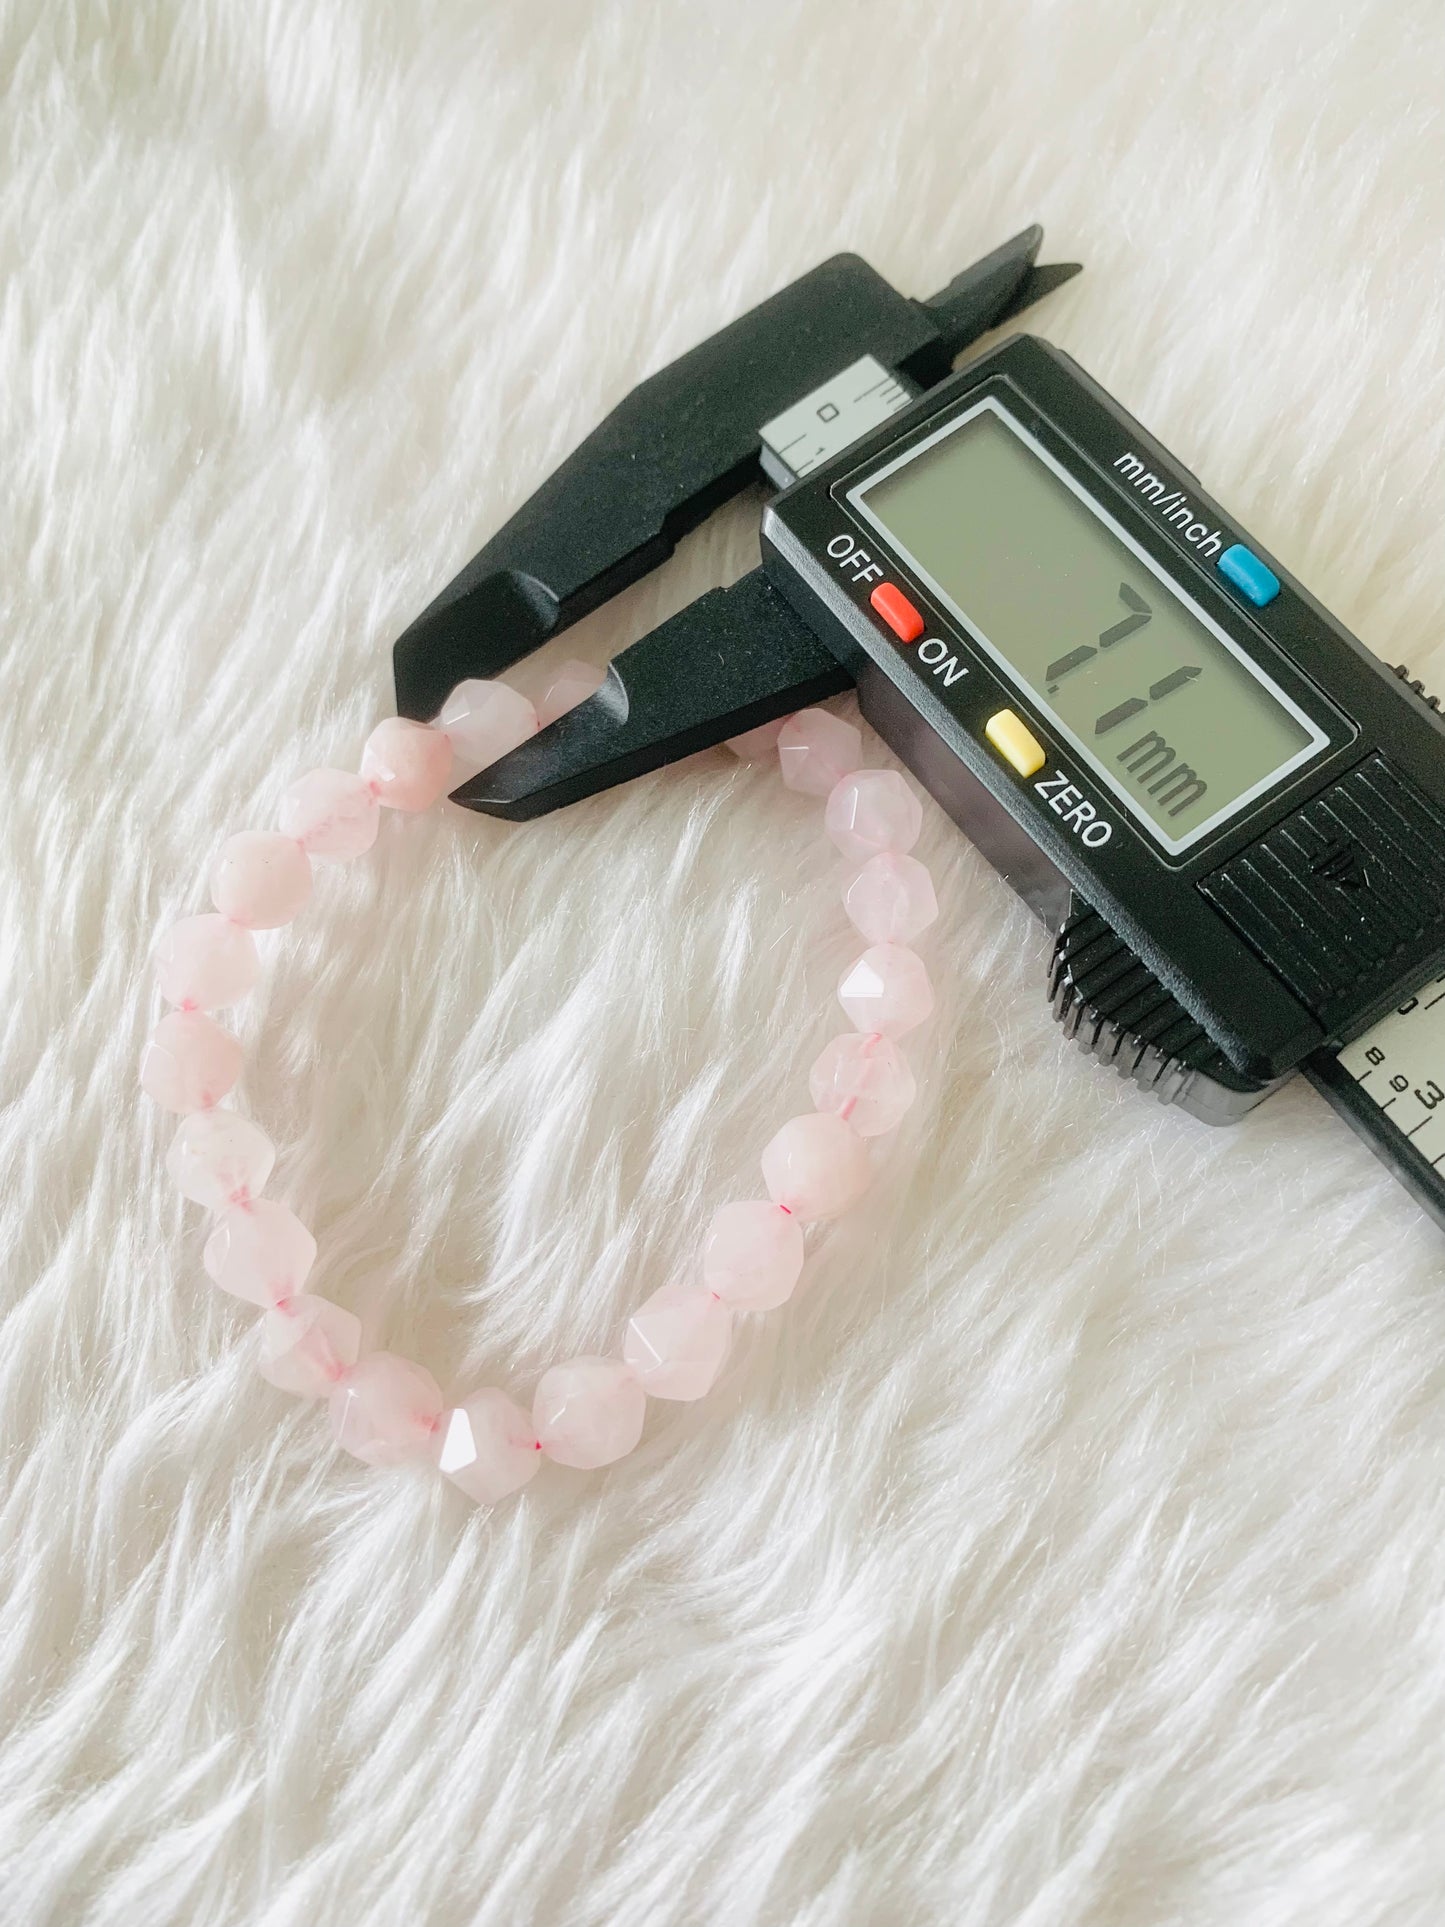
(1015, 742)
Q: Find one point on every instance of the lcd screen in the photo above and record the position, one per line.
(1165, 708)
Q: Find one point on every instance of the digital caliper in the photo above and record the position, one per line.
(1230, 815)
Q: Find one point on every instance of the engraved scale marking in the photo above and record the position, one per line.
(1400, 1064)
(836, 413)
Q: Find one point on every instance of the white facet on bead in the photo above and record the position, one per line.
(386, 1410)
(218, 1158)
(485, 720)
(203, 963)
(816, 1166)
(678, 1341)
(891, 899)
(816, 750)
(260, 1251)
(887, 990)
(871, 811)
(488, 1447)
(570, 685)
(332, 814)
(866, 1080)
(753, 1254)
(189, 1063)
(261, 879)
(406, 765)
(308, 1345)
(589, 1412)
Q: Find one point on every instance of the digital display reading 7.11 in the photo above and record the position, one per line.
(1165, 710)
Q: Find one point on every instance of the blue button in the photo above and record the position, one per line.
(1243, 568)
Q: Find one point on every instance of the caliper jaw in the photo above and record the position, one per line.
(680, 444)
(745, 658)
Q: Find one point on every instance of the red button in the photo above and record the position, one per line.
(897, 611)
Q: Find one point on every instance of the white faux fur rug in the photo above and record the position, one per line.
(1074, 1550)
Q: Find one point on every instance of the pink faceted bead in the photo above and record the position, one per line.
(816, 1166)
(261, 879)
(589, 1411)
(259, 1251)
(219, 1158)
(873, 810)
(816, 751)
(488, 1447)
(886, 990)
(753, 1255)
(758, 745)
(483, 721)
(407, 765)
(308, 1345)
(331, 813)
(573, 683)
(189, 1062)
(891, 899)
(866, 1080)
(386, 1410)
(205, 962)
(677, 1341)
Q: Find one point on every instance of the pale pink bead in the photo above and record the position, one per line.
(753, 1254)
(816, 1166)
(873, 810)
(331, 813)
(886, 990)
(189, 1062)
(816, 751)
(573, 683)
(677, 1341)
(261, 879)
(866, 1080)
(589, 1411)
(407, 765)
(891, 899)
(219, 1158)
(484, 720)
(488, 1446)
(386, 1410)
(259, 1251)
(758, 745)
(308, 1345)
(204, 962)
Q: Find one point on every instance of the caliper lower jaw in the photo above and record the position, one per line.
(1117, 1011)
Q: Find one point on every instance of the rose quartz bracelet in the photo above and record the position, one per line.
(588, 1411)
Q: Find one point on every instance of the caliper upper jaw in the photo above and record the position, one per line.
(680, 444)
(988, 294)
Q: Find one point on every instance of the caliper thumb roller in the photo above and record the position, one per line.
(1228, 813)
